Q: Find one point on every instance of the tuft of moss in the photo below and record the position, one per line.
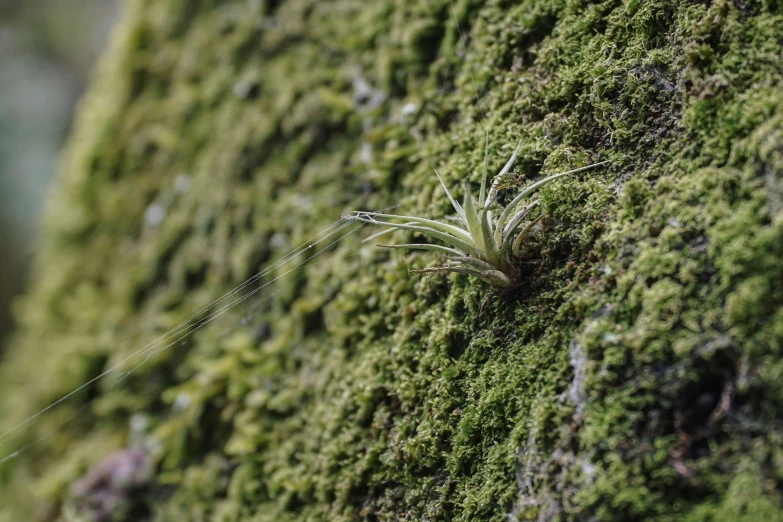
(635, 375)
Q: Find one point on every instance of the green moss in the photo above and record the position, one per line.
(635, 375)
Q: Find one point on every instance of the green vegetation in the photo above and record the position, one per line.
(633, 375)
(479, 245)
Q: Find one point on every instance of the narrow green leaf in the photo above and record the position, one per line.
(473, 220)
(493, 191)
(457, 207)
(473, 262)
(424, 246)
(492, 277)
(490, 246)
(535, 186)
(379, 234)
(443, 227)
(483, 192)
(446, 238)
(523, 235)
(517, 219)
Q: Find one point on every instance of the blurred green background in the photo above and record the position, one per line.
(47, 48)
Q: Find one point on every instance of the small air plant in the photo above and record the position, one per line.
(478, 244)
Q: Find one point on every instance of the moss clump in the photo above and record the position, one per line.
(634, 376)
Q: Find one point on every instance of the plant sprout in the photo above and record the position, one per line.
(478, 244)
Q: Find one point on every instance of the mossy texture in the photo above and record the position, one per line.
(635, 375)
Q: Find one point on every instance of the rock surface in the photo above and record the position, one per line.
(635, 376)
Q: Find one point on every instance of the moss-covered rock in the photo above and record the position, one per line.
(636, 375)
